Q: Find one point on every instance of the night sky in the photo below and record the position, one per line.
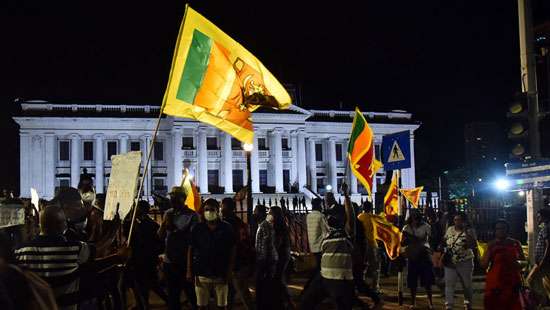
(448, 62)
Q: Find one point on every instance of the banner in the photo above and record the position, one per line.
(122, 185)
(11, 215)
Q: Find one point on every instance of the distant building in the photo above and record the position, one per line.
(294, 149)
(484, 155)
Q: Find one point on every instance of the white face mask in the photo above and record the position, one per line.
(270, 218)
(210, 215)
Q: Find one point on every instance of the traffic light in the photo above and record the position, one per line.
(518, 133)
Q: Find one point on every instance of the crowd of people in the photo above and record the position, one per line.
(78, 261)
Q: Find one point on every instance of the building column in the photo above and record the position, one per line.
(227, 163)
(294, 157)
(278, 160)
(25, 151)
(255, 173)
(332, 173)
(49, 165)
(146, 140)
(123, 143)
(99, 164)
(36, 164)
(353, 183)
(75, 159)
(203, 160)
(301, 160)
(177, 140)
(312, 165)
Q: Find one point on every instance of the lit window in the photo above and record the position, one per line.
(284, 143)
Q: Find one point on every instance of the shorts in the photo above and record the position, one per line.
(204, 286)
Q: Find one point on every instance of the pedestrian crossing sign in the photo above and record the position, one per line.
(396, 151)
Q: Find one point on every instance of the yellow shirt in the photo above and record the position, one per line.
(366, 220)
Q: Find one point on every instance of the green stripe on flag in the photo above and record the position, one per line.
(195, 67)
(358, 127)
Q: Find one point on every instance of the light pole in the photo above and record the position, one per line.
(249, 207)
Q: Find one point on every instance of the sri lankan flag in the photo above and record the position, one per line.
(361, 158)
(388, 234)
(217, 81)
(193, 199)
(412, 195)
(391, 201)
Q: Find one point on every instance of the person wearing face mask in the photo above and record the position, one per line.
(211, 256)
(266, 262)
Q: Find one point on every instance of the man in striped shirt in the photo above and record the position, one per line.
(51, 256)
(336, 277)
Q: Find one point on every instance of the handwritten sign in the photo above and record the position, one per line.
(11, 215)
(122, 185)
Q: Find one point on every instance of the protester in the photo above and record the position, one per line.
(541, 268)
(258, 216)
(316, 230)
(503, 279)
(372, 250)
(459, 241)
(267, 258)
(15, 292)
(211, 257)
(416, 235)
(70, 201)
(244, 258)
(336, 277)
(175, 229)
(146, 247)
(62, 275)
(282, 246)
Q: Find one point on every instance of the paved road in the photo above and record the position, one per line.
(389, 288)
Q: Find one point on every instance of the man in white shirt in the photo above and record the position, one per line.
(316, 229)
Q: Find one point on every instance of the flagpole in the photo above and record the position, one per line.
(399, 224)
(144, 176)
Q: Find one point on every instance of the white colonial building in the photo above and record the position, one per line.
(294, 149)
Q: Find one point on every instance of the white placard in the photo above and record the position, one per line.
(34, 198)
(122, 184)
(11, 215)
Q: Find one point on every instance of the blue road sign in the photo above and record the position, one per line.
(396, 151)
(529, 174)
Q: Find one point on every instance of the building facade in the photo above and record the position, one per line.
(295, 150)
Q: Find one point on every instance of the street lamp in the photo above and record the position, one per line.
(247, 147)
(502, 184)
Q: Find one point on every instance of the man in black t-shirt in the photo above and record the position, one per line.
(213, 254)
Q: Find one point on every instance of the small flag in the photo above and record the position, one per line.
(412, 195)
(388, 234)
(362, 162)
(481, 248)
(193, 200)
(217, 81)
(391, 205)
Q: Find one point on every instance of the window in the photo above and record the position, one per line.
(237, 179)
(135, 146)
(377, 154)
(213, 178)
(88, 150)
(318, 152)
(111, 149)
(284, 143)
(262, 144)
(321, 185)
(339, 152)
(286, 180)
(263, 177)
(235, 144)
(187, 143)
(64, 150)
(158, 150)
(65, 182)
(159, 185)
(212, 143)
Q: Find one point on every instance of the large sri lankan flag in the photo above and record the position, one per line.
(362, 162)
(217, 81)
